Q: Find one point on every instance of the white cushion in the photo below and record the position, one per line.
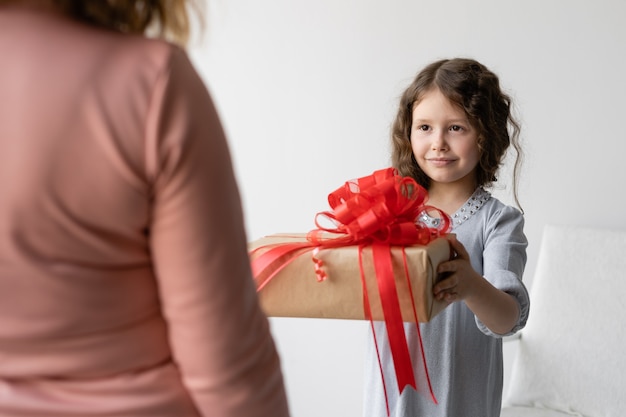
(530, 412)
(571, 354)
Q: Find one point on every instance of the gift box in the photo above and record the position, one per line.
(376, 262)
(297, 290)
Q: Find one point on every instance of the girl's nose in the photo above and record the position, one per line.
(439, 143)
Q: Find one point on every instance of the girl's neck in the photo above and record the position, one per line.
(449, 197)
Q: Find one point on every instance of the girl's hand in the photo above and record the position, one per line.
(459, 276)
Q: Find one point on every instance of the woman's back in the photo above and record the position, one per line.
(75, 207)
(122, 249)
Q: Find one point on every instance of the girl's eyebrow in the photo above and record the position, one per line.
(447, 121)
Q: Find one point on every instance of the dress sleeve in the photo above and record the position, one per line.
(504, 259)
(220, 339)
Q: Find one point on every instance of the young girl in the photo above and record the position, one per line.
(451, 134)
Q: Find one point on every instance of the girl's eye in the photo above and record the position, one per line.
(423, 128)
(456, 128)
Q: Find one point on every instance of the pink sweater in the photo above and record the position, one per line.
(125, 287)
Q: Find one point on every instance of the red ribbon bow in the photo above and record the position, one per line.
(380, 210)
(383, 207)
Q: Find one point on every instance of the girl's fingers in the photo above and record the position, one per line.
(451, 297)
(448, 296)
(444, 285)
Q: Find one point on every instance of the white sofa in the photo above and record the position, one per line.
(571, 357)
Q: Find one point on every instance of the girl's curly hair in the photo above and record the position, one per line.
(477, 91)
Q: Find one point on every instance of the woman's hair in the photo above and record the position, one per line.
(477, 91)
(168, 19)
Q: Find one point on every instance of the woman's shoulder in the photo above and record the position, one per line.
(123, 51)
(136, 61)
(137, 52)
(81, 47)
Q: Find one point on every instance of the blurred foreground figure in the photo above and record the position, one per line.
(125, 287)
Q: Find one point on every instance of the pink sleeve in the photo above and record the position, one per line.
(219, 337)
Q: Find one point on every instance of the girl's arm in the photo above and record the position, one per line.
(496, 309)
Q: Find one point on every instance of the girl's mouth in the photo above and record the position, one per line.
(440, 162)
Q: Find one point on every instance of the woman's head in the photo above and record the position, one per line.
(475, 89)
(168, 18)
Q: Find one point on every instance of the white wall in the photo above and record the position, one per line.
(307, 90)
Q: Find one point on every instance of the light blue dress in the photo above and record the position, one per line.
(464, 358)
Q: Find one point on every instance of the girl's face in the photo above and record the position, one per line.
(444, 142)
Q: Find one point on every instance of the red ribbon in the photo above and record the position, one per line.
(380, 210)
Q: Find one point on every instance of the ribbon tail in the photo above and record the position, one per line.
(274, 260)
(393, 317)
(368, 316)
(419, 362)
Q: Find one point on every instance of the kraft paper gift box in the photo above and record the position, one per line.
(295, 290)
(379, 264)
